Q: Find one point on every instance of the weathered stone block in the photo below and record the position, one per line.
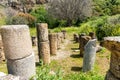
(115, 65)
(89, 55)
(83, 42)
(45, 52)
(17, 41)
(110, 76)
(92, 35)
(24, 67)
(42, 32)
(113, 44)
(53, 43)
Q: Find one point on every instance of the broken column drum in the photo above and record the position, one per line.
(113, 44)
(18, 50)
(64, 33)
(45, 52)
(42, 36)
(80, 35)
(53, 43)
(58, 41)
(89, 55)
(92, 35)
(83, 42)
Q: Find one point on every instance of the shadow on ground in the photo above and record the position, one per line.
(76, 69)
(75, 55)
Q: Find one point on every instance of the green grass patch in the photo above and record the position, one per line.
(33, 31)
(84, 76)
(3, 67)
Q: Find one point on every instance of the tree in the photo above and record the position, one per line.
(70, 10)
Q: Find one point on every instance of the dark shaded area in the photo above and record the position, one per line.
(38, 64)
(76, 68)
(74, 48)
(75, 55)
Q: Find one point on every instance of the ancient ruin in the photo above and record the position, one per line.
(18, 50)
(113, 44)
(83, 42)
(89, 55)
(43, 43)
(53, 43)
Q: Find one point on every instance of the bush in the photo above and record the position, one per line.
(30, 19)
(16, 20)
(21, 18)
(110, 27)
(42, 16)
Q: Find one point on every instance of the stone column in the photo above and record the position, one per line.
(34, 40)
(2, 56)
(92, 35)
(83, 42)
(113, 44)
(53, 43)
(82, 34)
(64, 33)
(74, 36)
(18, 50)
(43, 41)
(89, 55)
(58, 41)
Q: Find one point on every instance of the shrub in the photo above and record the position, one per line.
(31, 19)
(43, 16)
(110, 27)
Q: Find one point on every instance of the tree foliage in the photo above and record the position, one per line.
(70, 10)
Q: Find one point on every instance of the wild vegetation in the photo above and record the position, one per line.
(100, 16)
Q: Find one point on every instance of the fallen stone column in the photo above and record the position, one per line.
(83, 42)
(53, 43)
(43, 43)
(113, 44)
(89, 55)
(45, 52)
(18, 50)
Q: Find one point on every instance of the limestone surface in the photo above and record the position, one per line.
(42, 32)
(17, 41)
(53, 43)
(89, 55)
(45, 52)
(24, 67)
